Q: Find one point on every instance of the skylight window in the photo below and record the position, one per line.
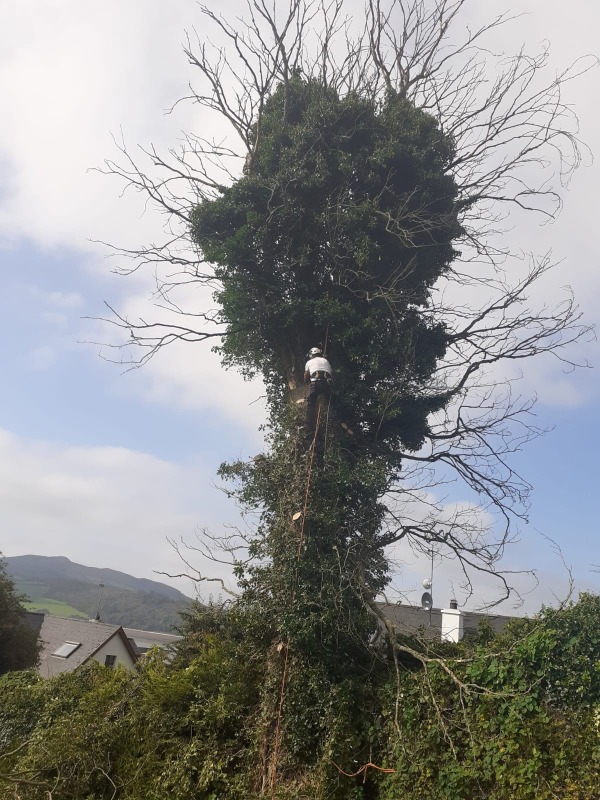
(66, 649)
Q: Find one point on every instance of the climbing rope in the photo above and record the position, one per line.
(304, 512)
(282, 691)
(286, 645)
(308, 479)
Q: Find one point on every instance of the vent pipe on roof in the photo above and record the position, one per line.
(452, 623)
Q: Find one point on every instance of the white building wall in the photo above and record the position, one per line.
(115, 647)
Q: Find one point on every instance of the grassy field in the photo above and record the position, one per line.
(68, 597)
(55, 607)
(37, 601)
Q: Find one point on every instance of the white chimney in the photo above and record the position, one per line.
(452, 623)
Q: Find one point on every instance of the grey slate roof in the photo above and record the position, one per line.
(143, 640)
(409, 620)
(55, 631)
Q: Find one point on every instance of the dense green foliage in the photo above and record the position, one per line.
(517, 720)
(339, 228)
(524, 724)
(18, 641)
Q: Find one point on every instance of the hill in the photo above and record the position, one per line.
(63, 587)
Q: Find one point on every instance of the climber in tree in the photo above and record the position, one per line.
(318, 372)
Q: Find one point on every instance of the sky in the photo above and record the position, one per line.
(105, 466)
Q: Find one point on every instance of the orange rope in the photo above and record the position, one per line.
(300, 542)
(370, 764)
(363, 769)
(287, 649)
(310, 466)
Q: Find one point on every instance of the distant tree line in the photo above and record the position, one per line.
(145, 610)
(19, 647)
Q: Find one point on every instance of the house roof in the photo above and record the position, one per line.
(409, 620)
(88, 635)
(143, 640)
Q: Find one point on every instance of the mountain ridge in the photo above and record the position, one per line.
(34, 567)
(57, 585)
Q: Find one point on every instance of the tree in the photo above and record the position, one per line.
(373, 173)
(359, 211)
(19, 648)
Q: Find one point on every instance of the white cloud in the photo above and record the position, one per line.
(114, 507)
(70, 75)
(537, 571)
(66, 300)
(180, 379)
(42, 358)
(101, 506)
(55, 319)
(182, 375)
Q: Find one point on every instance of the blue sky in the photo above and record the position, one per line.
(102, 466)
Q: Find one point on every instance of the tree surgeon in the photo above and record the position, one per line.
(318, 372)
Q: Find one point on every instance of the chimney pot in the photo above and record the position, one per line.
(452, 623)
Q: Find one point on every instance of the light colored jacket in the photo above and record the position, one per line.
(317, 364)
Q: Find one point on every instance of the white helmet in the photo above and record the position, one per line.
(315, 351)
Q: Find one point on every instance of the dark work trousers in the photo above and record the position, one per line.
(321, 386)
